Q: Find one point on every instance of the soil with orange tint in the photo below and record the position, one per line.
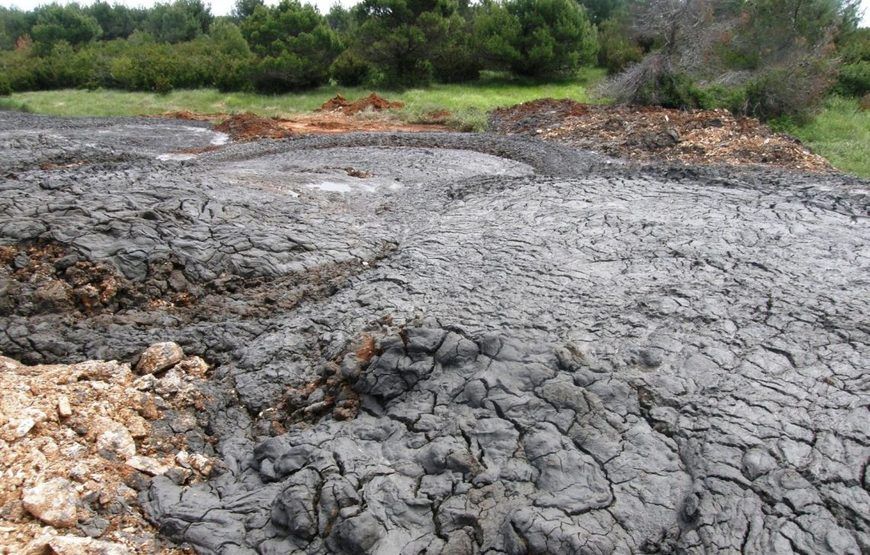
(372, 102)
(337, 115)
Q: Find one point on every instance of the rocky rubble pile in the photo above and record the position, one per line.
(646, 133)
(77, 443)
(45, 277)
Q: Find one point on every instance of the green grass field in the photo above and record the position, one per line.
(840, 133)
(468, 103)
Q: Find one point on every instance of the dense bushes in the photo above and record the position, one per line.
(295, 45)
(616, 50)
(854, 79)
(5, 86)
(55, 24)
(291, 45)
(400, 39)
(349, 69)
(747, 57)
(140, 64)
(537, 38)
(854, 74)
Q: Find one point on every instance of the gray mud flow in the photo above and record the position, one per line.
(446, 343)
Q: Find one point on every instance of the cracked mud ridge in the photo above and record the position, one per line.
(446, 343)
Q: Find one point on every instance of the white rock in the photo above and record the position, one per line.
(53, 502)
(21, 426)
(115, 443)
(79, 472)
(170, 383)
(201, 464)
(64, 410)
(148, 465)
(183, 458)
(145, 383)
(75, 545)
(73, 450)
(159, 356)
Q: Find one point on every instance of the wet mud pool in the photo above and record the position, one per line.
(460, 343)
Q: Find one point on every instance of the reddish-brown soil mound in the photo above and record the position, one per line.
(652, 133)
(336, 103)
(371, 102)
(248, 127)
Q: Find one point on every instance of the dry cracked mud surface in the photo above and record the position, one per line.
(446, 343)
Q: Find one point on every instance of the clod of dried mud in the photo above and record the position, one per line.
(248, 127)
(713, 137)
(78, 441)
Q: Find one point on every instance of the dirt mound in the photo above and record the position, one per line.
(248, 127)
(336, 103)
(651, 133)
(371, 102)
(79, 441)
(336, 115)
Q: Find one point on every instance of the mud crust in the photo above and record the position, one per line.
(563, 355)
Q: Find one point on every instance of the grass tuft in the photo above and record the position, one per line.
(840, 133)
(10, 105)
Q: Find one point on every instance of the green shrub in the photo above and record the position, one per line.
(671, 90)
(616, 51)
(719, 96)
(279, 74)
(350, 69)
(5, 85)
(234, 74)
(455, 58)
(536, 38)
(295, 44)
(854, 79)
(162, 85)
(416, 73)
(796, 91)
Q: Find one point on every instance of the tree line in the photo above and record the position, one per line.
(672, 52)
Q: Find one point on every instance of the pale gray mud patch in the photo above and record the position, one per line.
(592, 358)
(30, 140)
(365, 169)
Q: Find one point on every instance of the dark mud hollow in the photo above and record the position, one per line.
(456, 343)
